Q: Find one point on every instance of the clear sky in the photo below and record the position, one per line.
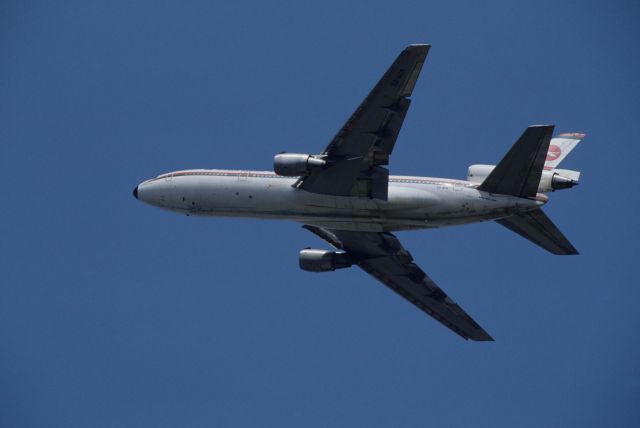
(116, 314)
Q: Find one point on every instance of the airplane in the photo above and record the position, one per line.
(346, 197)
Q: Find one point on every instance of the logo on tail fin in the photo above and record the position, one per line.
(553, 153)
(560, 147)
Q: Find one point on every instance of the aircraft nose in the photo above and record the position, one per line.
(135, 192)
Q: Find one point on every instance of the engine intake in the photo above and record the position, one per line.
(323, 261)
(296, 164)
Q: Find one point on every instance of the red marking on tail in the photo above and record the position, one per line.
(553, 153)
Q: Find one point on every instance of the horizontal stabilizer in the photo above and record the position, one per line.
(520, 170)
(537, 228)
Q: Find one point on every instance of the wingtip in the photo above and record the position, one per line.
(479, 335)
(417, 49)
(483, 338)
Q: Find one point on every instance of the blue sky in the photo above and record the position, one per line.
(113, 313)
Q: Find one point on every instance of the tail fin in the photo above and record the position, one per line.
(520, 170)
(560, 147)
(537, 228)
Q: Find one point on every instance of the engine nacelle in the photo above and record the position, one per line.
(550, 181)
(558, 179)
(322, 261)
(296, 164)
(477, 173)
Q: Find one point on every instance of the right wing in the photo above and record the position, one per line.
(356, 155)
(382, 256)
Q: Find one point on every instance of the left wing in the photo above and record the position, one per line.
(356, 154)
(382, 256)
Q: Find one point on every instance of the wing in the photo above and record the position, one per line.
(356, 154)
(382, 256)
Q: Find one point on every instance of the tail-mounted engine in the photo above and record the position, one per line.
(558, 179)
(322, 261)
(551, 180)
(296, 164)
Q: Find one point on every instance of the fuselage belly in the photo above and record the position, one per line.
(413, 202)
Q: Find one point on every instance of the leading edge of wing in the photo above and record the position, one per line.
(382, 256)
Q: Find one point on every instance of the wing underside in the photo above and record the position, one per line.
(357, 154)
(382, 256)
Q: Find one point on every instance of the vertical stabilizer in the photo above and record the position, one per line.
(560, 147)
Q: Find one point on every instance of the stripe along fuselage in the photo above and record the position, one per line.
(413, 202)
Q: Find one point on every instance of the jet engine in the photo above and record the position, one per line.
(550, 181)
(322, 261)
(477, 173)
(557, 179)
(296, 164)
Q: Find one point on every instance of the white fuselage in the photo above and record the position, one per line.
(413, 202)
